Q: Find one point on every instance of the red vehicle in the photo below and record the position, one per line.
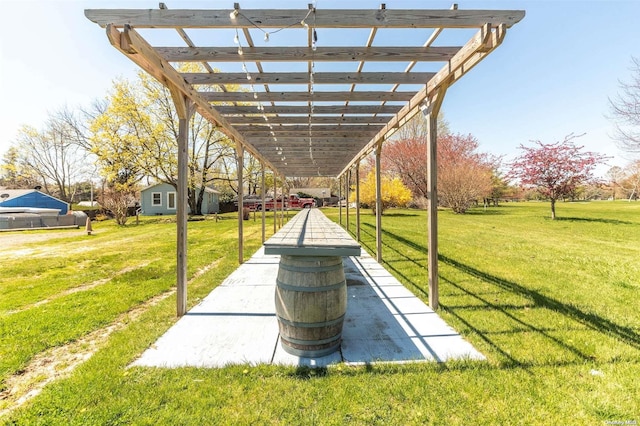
(293, 202)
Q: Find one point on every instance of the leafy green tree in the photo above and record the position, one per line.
(136, 136)
(499, 187)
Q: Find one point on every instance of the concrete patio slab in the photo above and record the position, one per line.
(236, 323)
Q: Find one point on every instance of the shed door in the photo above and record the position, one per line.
(171, 200)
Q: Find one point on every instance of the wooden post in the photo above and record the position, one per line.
(282, 204)
(287, 209)
(184, 107)
(275, 211)
(358, 201)
(378, 205)
(340, 198)
(346, 192)
(430, 112)
(263, 210)
(240, 164)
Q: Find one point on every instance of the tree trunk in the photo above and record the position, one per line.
(191, 200)
(199, 201)
(553, 209)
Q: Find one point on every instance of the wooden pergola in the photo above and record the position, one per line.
(297, 94)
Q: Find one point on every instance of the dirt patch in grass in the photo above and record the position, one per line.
(10, 240)
(59, 362)
(83, 287)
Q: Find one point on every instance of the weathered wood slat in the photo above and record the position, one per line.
(267, 141)
(318, 109)
(297, 54)
(304, 119)
(301, 128)
(305, 96)
(311, 233)
(315, 133)
(323, 18)
(303, 78)
(304, 162)
(303, 152)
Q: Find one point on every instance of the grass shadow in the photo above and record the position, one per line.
(590, 320)
(305, 372)
(400, 239)
(400, 215)
(596, 220)
(492, 211)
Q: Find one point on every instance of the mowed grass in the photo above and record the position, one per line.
(552, 304)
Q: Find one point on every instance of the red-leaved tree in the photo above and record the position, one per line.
(555, 169)
(464, 174)
(407, 159)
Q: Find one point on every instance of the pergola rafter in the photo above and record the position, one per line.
(303, 78)
(298, 120)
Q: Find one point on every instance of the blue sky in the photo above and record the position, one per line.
(551, 76)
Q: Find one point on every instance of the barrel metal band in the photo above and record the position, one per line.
(338, 320)
(312, 342)
(311, 289)
(310, 353)
(312, 269)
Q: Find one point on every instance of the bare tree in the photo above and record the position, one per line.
(416, 128)
(625, 110)
(630, 181)
(616, 176)
(117, 201)
(52, 155)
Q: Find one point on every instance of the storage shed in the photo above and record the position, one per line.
(160, 199)
(31, 198)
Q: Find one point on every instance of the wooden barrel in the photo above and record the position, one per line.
(311, 301)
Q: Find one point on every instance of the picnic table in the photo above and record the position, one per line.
(311, 290)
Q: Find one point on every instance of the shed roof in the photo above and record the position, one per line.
(206, 189)
(317, 92)
(12, 194)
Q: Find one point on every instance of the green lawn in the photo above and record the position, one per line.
(552, 304)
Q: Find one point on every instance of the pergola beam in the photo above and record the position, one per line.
(305, 109)
(305, 96)
(298, 140)
(303, 78)
(323, 18)
(336, 133)
(297, 129)
(297, 54)
(303, 152)
(237, 121)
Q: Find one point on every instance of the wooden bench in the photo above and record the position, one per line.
(311, 290)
